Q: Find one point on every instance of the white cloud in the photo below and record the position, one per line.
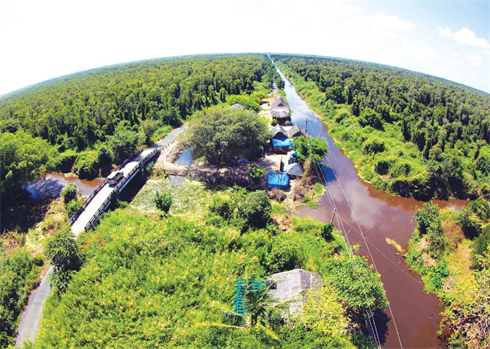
(465, 36)
(425, 53)
(475, 59)
(487, 52)
(52, 38)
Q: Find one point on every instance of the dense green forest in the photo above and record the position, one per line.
(102, 115)
(407, 133)
(451, 251)
(150, 280)
(83, 122)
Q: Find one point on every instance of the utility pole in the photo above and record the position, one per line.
(306, 126)
(333, 215)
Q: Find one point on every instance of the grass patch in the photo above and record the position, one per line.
(189, 197)
(394, 244)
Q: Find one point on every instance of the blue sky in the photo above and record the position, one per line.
(40, 39)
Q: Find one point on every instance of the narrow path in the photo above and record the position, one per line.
(29, 323)
(31, 318)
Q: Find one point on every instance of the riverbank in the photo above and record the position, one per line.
(368, 216)
(455, 268)
(381, 155)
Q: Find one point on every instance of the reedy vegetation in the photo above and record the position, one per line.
(451, 252)
(149, 282)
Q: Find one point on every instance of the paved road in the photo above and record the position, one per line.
(172, 136)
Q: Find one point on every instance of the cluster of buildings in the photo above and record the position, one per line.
(281, 142)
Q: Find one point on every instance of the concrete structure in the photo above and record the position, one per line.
(290, 286)
(102, 198)
(95, 204)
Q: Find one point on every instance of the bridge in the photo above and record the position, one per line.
(85, 219)
(102, 196)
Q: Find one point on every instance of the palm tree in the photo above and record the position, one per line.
(260, 311)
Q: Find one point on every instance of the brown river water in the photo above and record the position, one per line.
(378, 215)
(51, 185)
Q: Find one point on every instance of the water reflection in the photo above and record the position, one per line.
(185, 158)
(51, 185)
(378, 215)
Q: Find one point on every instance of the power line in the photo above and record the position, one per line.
(360, 232)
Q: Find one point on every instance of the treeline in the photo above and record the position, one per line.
(99, 116)
(77, 111)
(451, 252)
(374, 110)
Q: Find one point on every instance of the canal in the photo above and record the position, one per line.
(368, 216)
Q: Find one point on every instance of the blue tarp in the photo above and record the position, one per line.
(281, 142)
(277, 181)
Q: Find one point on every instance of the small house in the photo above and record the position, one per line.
(290, 286)
(280, 110)
(280, 141)
(295, 131)
(294, 170)
(279, 132)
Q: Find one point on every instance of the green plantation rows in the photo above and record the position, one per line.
(407, 133)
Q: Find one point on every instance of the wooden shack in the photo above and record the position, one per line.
(280, 110)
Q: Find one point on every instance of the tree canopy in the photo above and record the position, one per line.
(218, 134)
(23, 159)
(311, 148)
(435, 133)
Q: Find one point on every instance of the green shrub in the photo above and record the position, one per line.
(327, 231)
(400, 168)
(87, 164)
(72, 207)
(282, 255)
(256, 209)
(64, 252)
(373, 146)
(382, 167)
(163, 201)
(256, 173)
(221, 207)
(69, 193)
(67, 160)
(371, 118)
(103, 155)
